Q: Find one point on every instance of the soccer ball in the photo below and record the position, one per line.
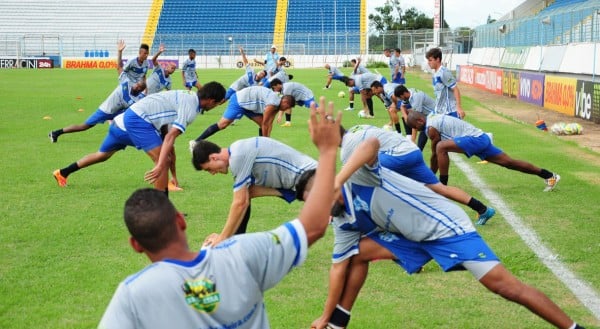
(387, 127)
(573, 128)
(341, 94)
(362, 114)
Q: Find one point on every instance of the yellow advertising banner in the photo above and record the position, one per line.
(560, 94)
(89, 64)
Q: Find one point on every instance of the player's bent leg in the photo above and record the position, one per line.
(94, 158)
(500, 281)
(162, 181)
(441, 151)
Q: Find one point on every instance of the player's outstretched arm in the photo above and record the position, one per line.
(325, 134)
(161, 49)
(244, 58)
(364, 153)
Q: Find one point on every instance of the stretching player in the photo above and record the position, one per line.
(391, 102)
(301, 94)
(161, 76)
(250, 78)
(135, 69)
(363, 82)
(415, 100)
(333, 73)
(405, 222)
(449, 134)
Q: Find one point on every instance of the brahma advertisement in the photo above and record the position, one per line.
(559, 94)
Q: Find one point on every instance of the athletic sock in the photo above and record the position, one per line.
(397, 126)
(444, 179)
(370, 106)
(340, 317)
(545, 174)
(477, 206)
(58, 132)
(73, 167)
(351, 104)
(208, 132)
(288, 117)
(260, 132)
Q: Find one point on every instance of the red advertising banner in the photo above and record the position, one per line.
(560, 94)
(466, 74)
(488, 79)
(45, 64)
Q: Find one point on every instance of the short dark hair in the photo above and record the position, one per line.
(212, 90)
(145, 46)
(376, 84)
(191, 51)
(275, 82)
(353, 61)
(202, 150)
(400, 90)
(436, 53)
(290, 99)
(282, 59)
(302, 182)
(150, 218)
(398, 50)
(290, 76)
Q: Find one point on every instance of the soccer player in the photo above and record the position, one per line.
(188, 71)
(161, 76)
(250, 78)
(135, 69)
(415, 100)
(301, 94)
(125, 95)
(258, 103)
(450, 134)
(399, 73)
(363, 83)
(177, 108)
(116, 139)
(223, 286)
(444, 86)
(392, 63)
(399, 154)
(260, 166)
(333, 73)
(391, 103)
(278, 73)
(271, 60)
(405, 222)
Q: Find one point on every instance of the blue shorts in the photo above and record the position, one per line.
(288, 195)
(480, 146)
(229, 92)
(142, 133)
(399, 80)
(267, 83)
(190, 84)
(116, 139)
(449, 253)
(101, 117)
(354, 90)
(306, 103)
(410, 165)
(234, 111)
(337, 77)
(383, 80)
(454, 114)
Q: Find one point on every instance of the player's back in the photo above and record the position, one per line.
(390, 142)
(256, 98)
(299, 91)
(158, 81)
(450, 127)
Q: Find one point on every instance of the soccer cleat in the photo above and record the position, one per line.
(326, 87)
(483, 218)
(286, 124)
(551, 182)
(349, 109)
(53, 137)
(62, 181)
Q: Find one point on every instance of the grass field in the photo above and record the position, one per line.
(64, 250)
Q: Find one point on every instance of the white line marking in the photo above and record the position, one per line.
(580, 288)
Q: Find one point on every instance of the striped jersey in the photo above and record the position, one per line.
(393, 62)
(158, 81)
(176, 107)
(450, 127)
(120, 99)
(246, 80)
(222, 287)
(390, 143)
(134, 71)
(364, 81)
(299, 91)
(189, 70)
(335, 71)
(266, 162)
(421, 102)
(443, 83)
(388, 92)
(256, 98)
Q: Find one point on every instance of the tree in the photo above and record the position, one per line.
(391, 17)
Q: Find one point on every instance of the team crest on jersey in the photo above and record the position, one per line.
(202, 295)
(360, 204)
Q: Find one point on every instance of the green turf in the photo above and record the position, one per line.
(65, 250)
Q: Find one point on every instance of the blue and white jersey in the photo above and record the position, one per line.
(222, 287)
(450, 127)
(421, 102)
(382, 199)
(443, 83)
(393, 62)
(336, 72)
(390, 142)
(120, 98)
(246, 80)
(158, 81)
(134, 71)
(271, 60)
(266, 162)
(364, 81)
(176, 107)
(281, 75)
(299, 91)
(388, 93)
(362, 70)
(189, 70)
(256, 98)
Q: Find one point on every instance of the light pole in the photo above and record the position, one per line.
(545, 21)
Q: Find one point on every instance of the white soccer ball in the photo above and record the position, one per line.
(362, 114)
(341, 94)
(573, 128)
(387, 127)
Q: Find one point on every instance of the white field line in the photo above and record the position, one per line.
(580, 288)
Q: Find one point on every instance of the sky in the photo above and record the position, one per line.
(457, 13)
